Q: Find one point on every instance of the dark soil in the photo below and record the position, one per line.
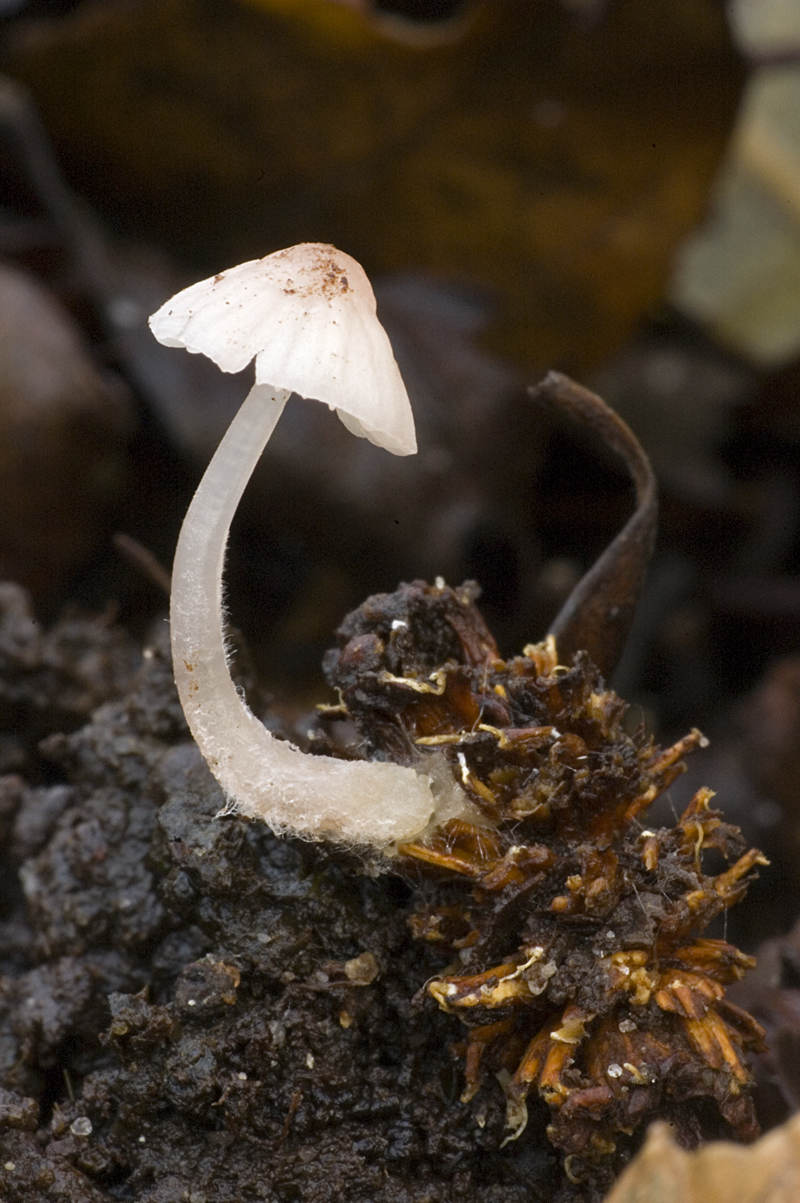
(183, 1018)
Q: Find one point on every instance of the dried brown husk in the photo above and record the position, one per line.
(765, 1172)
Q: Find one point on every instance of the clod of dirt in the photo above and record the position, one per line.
(191, 1008)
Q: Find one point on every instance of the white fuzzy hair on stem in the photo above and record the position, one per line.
(307, 316)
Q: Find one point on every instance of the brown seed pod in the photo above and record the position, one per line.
(573, 933)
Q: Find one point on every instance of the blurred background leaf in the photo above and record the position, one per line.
(553, 162)
(765, 1172)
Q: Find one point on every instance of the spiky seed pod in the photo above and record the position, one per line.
(573, 933)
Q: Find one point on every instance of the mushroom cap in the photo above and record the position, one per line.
(307, 316)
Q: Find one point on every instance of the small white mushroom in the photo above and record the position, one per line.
(307, 316)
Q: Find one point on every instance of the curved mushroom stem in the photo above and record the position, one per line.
(352, 802)
(209, 698)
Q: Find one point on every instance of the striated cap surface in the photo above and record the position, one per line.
(307, 316)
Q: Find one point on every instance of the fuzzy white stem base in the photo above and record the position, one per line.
(318, 797)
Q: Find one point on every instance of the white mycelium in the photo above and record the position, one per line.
(307, 316)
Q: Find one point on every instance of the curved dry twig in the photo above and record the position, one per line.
(597, 615)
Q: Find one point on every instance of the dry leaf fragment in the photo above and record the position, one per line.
(555, 165)
(765, 1172)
